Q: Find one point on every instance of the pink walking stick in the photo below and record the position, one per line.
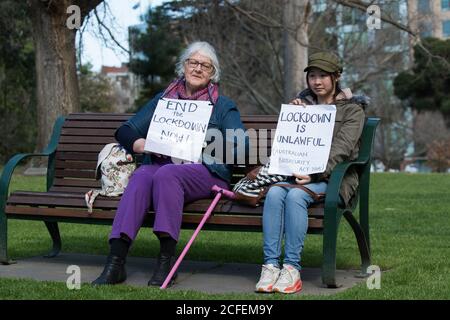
(211, 207)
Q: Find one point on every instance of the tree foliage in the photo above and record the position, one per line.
(17, 80)
(439, 155)
(250, 52)
(426, 86)
(155, 51)
(96, 92)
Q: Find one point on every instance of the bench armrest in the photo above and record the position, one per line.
(334, 184)
(363, 160)
(9, 168)
(12, 163)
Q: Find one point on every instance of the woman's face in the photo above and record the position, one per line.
(198, 70)
(321, 84)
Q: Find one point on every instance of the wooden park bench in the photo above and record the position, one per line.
(72, 158)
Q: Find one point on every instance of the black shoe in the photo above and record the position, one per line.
(163, 267)
(113, 273)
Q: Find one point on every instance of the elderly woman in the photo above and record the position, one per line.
(160, 184)
(285, 215)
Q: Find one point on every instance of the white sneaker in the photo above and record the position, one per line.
(269, 275)
(289, 280)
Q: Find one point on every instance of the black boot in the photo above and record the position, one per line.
(163, 267)
(113, 273)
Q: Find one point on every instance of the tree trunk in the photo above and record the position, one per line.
(295, 19)
(57, 83)
(57, 89)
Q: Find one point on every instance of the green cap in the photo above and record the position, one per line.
(325, 61)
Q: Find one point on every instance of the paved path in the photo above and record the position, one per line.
(206, 277)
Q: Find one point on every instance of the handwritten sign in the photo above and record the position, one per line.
(302, 139)
(178, 128)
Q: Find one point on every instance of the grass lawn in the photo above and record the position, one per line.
(410, 239)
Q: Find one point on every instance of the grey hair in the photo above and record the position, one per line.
(204, 48)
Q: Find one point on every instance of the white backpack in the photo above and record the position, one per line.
(114, 167)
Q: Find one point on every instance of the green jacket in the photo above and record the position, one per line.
(345, 145)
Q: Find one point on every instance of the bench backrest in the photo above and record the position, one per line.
(83, 135)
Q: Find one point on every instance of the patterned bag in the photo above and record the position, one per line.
(252, 189)
(115, 167)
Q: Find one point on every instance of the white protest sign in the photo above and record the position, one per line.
(302, 139)
(178, 128)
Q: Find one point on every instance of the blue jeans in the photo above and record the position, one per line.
(285, 216)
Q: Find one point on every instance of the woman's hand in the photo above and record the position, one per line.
(138, 145)
(299, 102)
(302, 179)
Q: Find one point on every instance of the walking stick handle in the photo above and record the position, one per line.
(227, 193)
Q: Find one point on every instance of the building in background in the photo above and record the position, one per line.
(123, 84)
(430, 18)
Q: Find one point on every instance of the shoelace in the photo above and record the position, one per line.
(283, 276)
(267, 272)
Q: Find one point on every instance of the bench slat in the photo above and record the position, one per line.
(71, 200)
(190, 219)
(73, 173)
(77, 182)
(86, 139)
(104, 124)
(82, 156)
(88, 132)
(90, 165)
(62, 189)
(58, 200)
(99, 116)
(80, 147)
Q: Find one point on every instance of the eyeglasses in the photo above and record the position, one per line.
(203, 66)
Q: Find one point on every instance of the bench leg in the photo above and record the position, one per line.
(331, 223)
(363, 244)
(53, 229)
(4, 259)
(364, 204)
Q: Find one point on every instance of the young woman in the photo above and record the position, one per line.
(285, 215)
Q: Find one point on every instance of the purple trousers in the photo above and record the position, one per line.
(164, 187)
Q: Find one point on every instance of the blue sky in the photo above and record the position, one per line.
(94, 51)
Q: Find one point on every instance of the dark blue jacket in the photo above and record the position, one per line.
(225, 115)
